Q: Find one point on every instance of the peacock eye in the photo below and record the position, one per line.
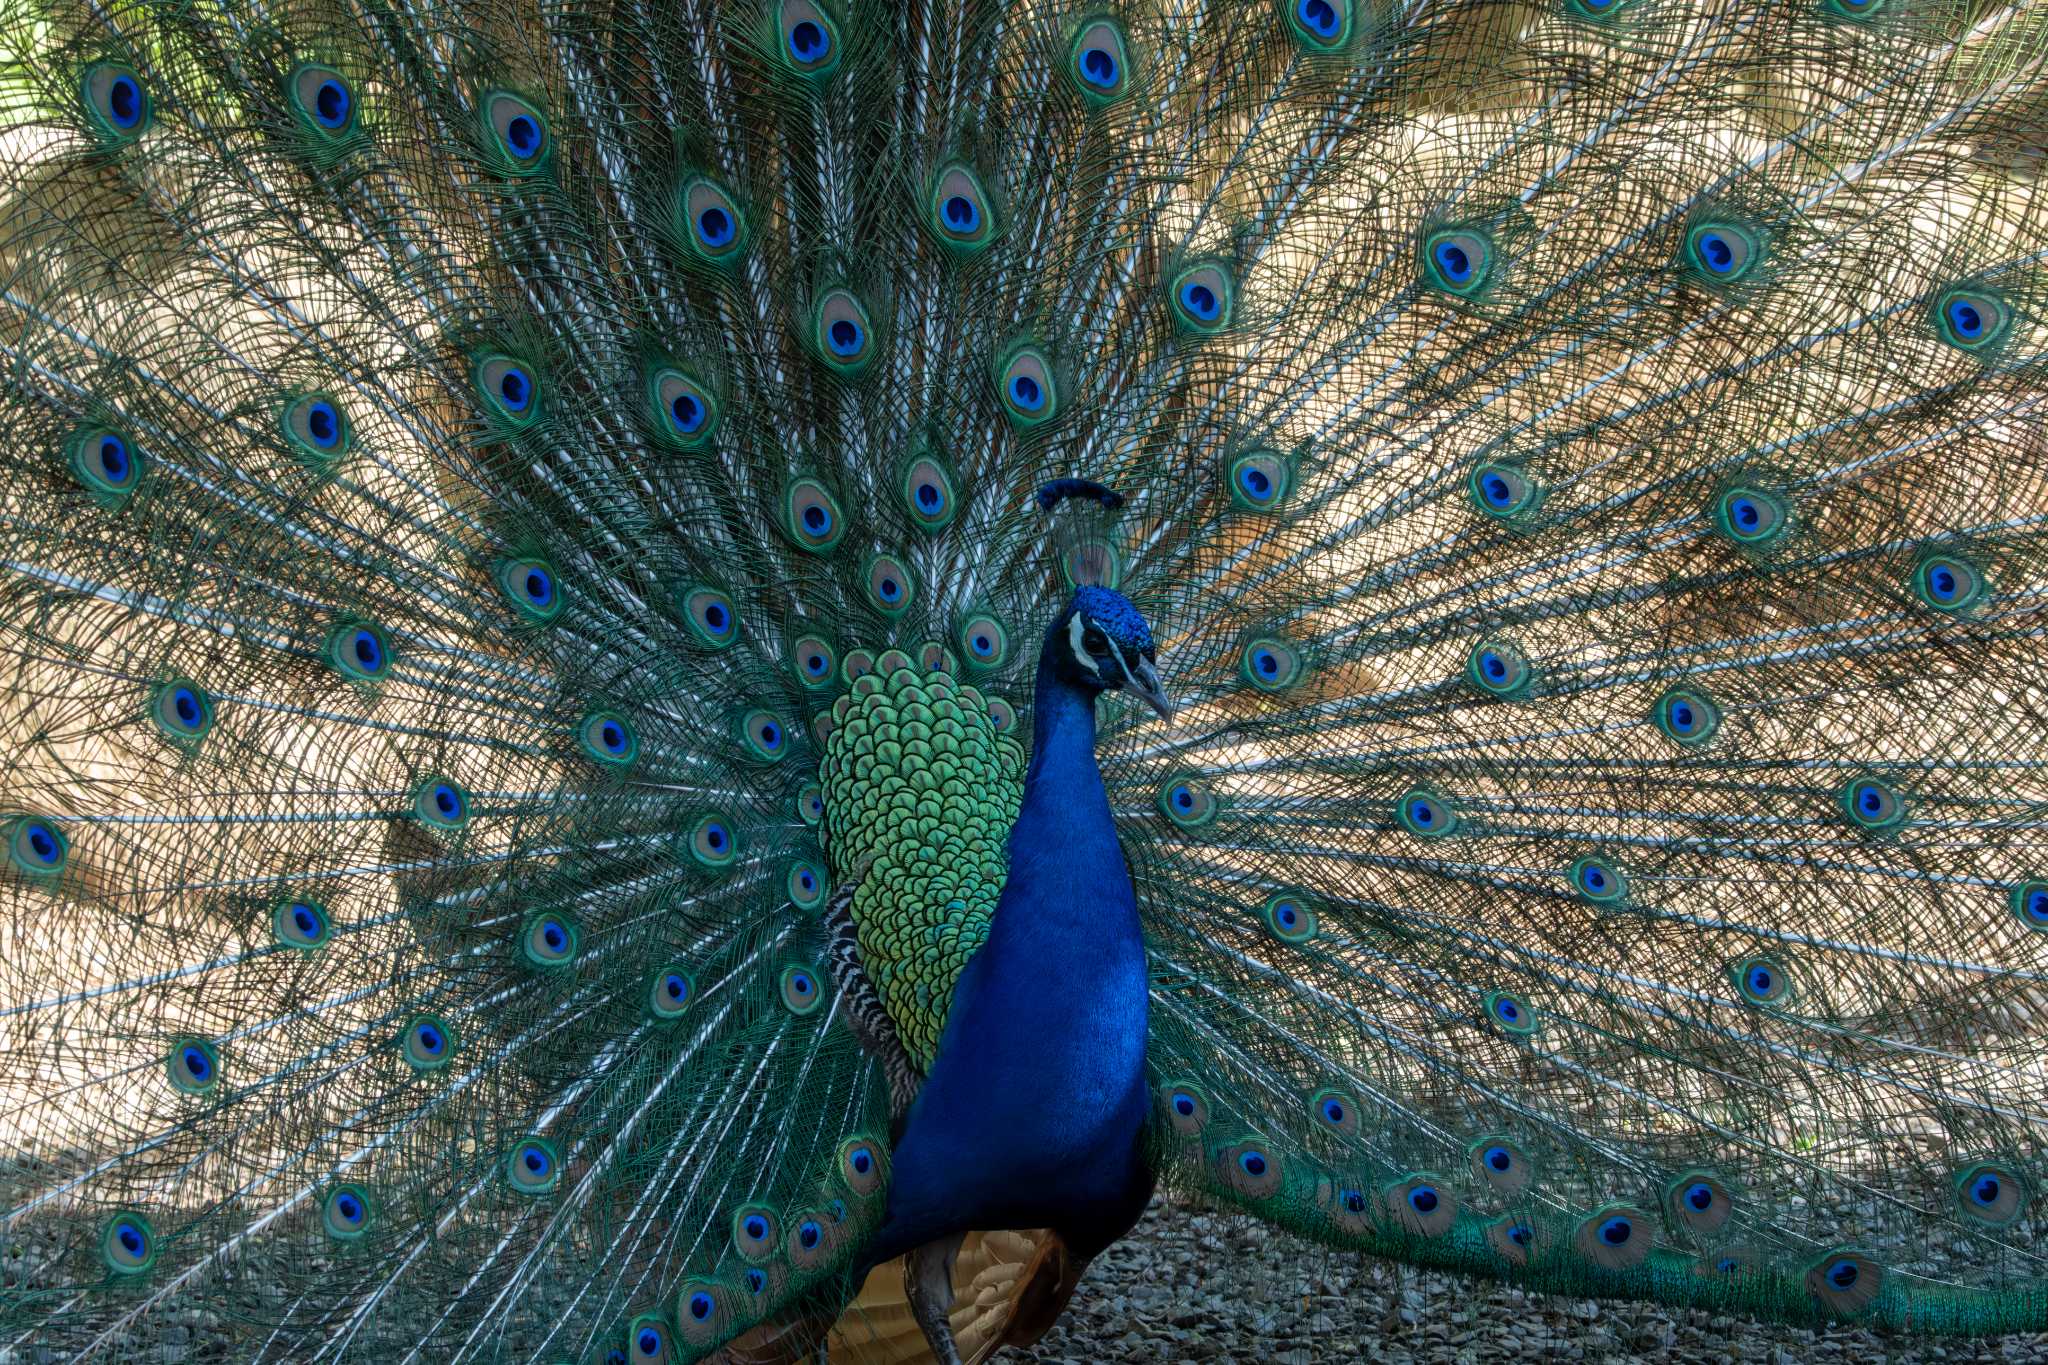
(1095, 642)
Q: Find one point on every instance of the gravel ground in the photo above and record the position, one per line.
(1200, 1287)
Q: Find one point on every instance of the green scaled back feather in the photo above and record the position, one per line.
(920, 791)
(1582, 467)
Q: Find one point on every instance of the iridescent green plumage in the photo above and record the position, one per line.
(1581, 464)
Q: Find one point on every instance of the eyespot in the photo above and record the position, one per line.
(890, 585)
(1501, 1164)
(669, 994)
(1727, 1262)
(810, 40)
(1721, 253)
(1270, 664)
(928, 493)
(685, 413)
(1687, 716)
(764, 736)
(192, 1065)
(960, 211)
(322, 99)
(1260, 480)
(1972, 319)
(861, 1166)
(1001, 715)
(608, 737)
(345, 1213)
(811, 516)
(1845, 1281)
(1948, 583)
(814, 659)
(755, 1232)
(805, 884)
(810, 803)
(533, 1167)
(2030, 903)
(359, 650)
(301, 924)
(1762, 981)
(509, 389)
(1098, 63)
(812, 1241)
(1615, 1238)
(1699, 1201)
(1991, 1192)
(984, 644)
(1290, 916)
(1336, 1111)
(115, 98)
(1873, 804)
(1599, 881)
(801, 991)
(317, 429)
(37, 846)
(426, 1043)
(519, 132)
(1203, 298)
(1502, 491)
(1186, 1107)
(1751, 516)
(1187, 801)
(711, 222)
(1498, 669)
(1024, 381)
(649, 1338)
(1425, 814)
(859, 663)
(1510, 1013)
(1249, 1169)
(1514, 1239)
(549, 940)
(1596, 9)
(1320, 24)
(182, 709)
(1093, 562)
(128, 1244)
(703, 1313)
(844, 334)
(441, 804)
(1457, 260)
(1422, 1204)
(106, 462)
(532, 588)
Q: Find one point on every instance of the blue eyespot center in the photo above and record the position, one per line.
(1319, 17)
(186, 705)
(1423, 1199)
(1966, 319)
(522, 135)
(539, 590)
(131, 1239)
(862, 1161)
(1616, 1231)
(1761, 980)
(675, 986)
(757, 1227)
(305, 919)
(1497, 490)
(1453, 260)
(1252, 1163)
(1700, 1196)
(197, 1065)
(349, 1207)
(929, 497)
(687, 412)
(757, 1279)
(1520, 1235)
(800, 983)
(1027, 393)
(535, 1160)
(715, 837)
(715, 227)
(808, 42)
(1493, 665)
(649, 1341)
(1255, 481)
(816, 519)
(960, 213)
(1716, 252)
(1985, 1190)
(1842, 1274)
(552, 935)
(809, 1235)
(1498, 1158)
(516, 388)
(368, 652)
(891, 590)
(1183, 799)
(700, 1306)
(815, 665)
(331, 103)
(114, 461)
(124, 101)
(1184, 1105)
(1200, 300)
(1507, 1010)
(1098, 67)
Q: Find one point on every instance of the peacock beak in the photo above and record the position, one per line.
(1144, 681)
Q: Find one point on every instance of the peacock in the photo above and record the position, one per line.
(713, 680)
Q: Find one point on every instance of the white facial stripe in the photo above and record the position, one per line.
(1076, 628)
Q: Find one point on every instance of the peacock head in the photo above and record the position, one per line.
(1101, 644)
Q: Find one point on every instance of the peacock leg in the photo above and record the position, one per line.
(928, 1285)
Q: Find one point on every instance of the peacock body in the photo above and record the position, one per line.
(533, 826)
